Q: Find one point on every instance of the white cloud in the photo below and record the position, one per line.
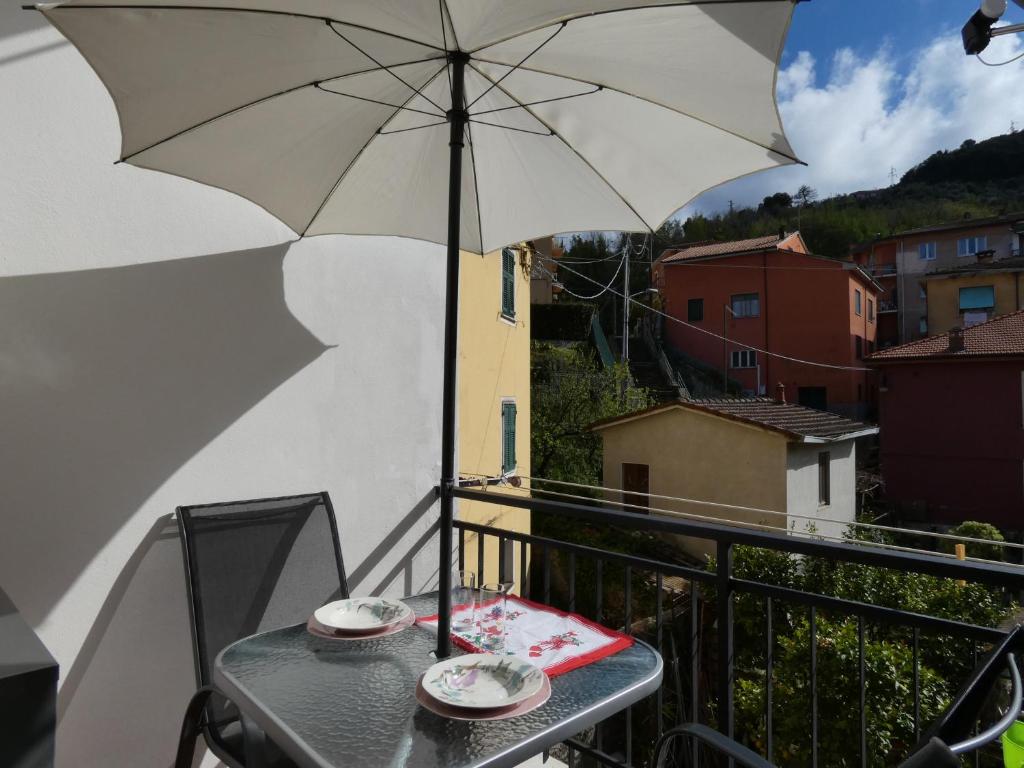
(866, 116)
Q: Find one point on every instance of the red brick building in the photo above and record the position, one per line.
(771, 294)
(952, 424)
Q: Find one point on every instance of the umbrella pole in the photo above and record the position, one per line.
(457, 117)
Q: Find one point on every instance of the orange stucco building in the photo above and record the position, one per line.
(770, 294)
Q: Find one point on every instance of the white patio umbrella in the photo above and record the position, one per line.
(337, 116)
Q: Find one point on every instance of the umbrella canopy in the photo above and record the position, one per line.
(355, 116)
(331, 114)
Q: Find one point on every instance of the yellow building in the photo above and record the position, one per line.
(975, 293)
(494, 390)
(743, 460)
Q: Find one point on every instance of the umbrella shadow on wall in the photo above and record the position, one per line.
(111, 379)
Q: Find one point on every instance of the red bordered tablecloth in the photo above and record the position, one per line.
(551, 639)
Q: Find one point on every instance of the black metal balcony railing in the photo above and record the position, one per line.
(884, 305)
(698, 685)
(882, 270)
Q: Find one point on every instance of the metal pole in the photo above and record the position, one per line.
(625, 310)
(457, 117)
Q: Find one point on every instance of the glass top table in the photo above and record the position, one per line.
(334, 704)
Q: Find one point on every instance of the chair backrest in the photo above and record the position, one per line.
(257, 565)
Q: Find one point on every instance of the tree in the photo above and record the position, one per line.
(806, 195)
(569, 390)
(971, 529)
(944, 663)
(775, 204)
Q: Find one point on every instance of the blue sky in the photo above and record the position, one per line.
(824, 26)
(867, 87)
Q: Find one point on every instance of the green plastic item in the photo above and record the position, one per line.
(1013, 746)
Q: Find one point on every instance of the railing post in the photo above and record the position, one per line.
(723, 567)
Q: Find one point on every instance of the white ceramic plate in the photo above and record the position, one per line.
(482, 681)
(362, 614)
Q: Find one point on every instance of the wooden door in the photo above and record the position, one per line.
(636, 484)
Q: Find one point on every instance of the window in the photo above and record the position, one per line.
(977, 297)
(636, 485)
(871, 311)
(857, 299)
(508, 436)
(746, 305)
(743, 358)
(695, 310)
(922, 326)
(969, 246)
(926, 251)
(922, 292)
(508, 283)
(824, 479)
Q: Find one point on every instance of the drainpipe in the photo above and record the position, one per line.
(767, 348)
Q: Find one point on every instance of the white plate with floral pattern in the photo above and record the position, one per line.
(482, 681)
(362, 614)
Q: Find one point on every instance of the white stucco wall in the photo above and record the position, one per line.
(802, 487)
(162, 343)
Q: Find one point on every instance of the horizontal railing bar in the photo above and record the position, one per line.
(879, 613)
(669, 569)
(602, 757)
(987, 573)
(851, 607)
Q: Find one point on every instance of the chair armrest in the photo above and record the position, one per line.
(714, 739)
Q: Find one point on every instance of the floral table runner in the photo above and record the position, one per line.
(551, 639)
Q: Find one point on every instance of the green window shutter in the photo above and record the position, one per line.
(508, 277)
(508, 437)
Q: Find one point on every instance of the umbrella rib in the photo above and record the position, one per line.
(514, 128)
(605, 86)
(319, 87)
(476, 187)
(444, 39)
(256, 102)
(570, 147)
(522, 61)
(638, 7)
(413, 128)
(360, 153)
(265, 11)
(594, 90)
(386, 69)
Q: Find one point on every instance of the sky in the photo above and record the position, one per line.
(866, 87)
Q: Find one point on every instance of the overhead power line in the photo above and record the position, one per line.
(706, 332)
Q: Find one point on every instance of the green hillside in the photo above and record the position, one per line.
(978, 179)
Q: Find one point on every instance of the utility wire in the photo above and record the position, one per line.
(765, 526)
(712, 333)
(605, 289)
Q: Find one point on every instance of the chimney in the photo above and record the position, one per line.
(780, 393)
(984, 257)
(956, 340)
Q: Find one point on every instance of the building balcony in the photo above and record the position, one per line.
(887, 306)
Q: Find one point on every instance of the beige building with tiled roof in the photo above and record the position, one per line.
(751, 461)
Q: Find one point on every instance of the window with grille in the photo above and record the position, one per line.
(746, 305)
(969, 246)
(508, 436)
(508, 283)
(824, 479)
(743, 358)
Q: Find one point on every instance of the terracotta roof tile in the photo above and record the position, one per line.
(1000, 337)
(720, 249)
(788, 418)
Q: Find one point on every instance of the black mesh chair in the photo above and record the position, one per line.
(250, 566)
